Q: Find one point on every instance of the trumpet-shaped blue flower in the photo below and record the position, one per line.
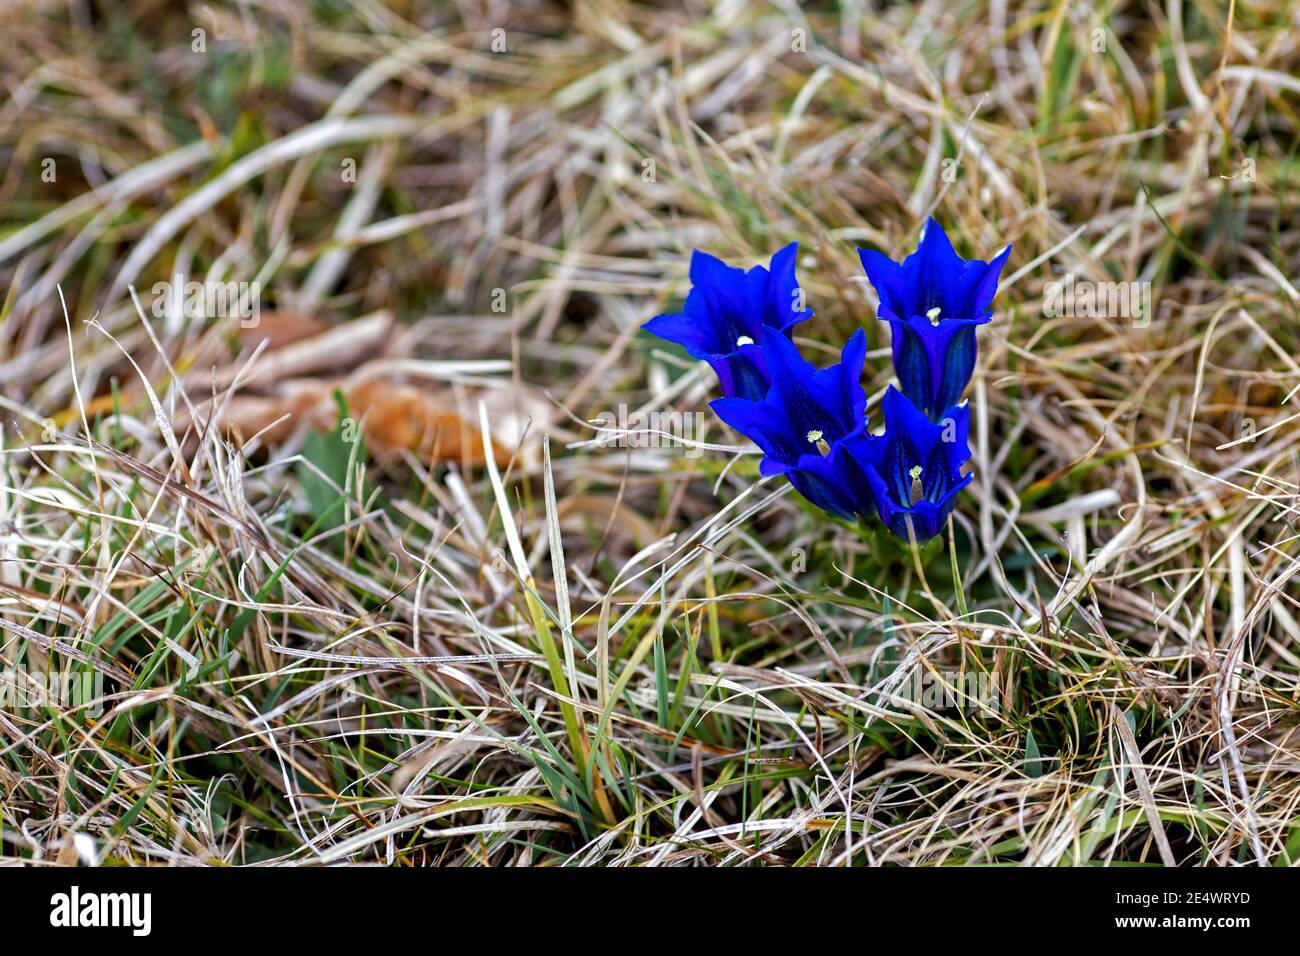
(914, 469)
(807, 422)
(726, 312)
(811, 427)
(811, 423)
(933, 300)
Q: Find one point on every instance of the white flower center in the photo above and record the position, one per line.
(933, 315)
(815, 438)
(744, 340)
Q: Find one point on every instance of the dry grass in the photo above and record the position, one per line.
(639, 656)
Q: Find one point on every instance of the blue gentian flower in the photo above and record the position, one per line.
(812, 428)
(807, 423)
(933, 300)
(914, 469)
(725, 313)
(811, 423)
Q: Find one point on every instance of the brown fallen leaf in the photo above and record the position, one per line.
(279, 328)
(290, 388)
(275, 418)
(397, 416)
(394, 416)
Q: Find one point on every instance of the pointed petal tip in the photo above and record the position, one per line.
(663, 325)
(1001, 258)
(874, 260)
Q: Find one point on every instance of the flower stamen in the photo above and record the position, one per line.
(918, 490)
(744, 340)
(933, 316)
(815, 438)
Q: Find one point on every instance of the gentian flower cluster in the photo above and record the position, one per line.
(810, 423)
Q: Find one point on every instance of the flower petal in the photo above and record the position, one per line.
(911, 361)
(958, 363)
(778, 297)
(938, 267)
(986, 286)
(825, 400)
(817, 479)
(890, 282)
